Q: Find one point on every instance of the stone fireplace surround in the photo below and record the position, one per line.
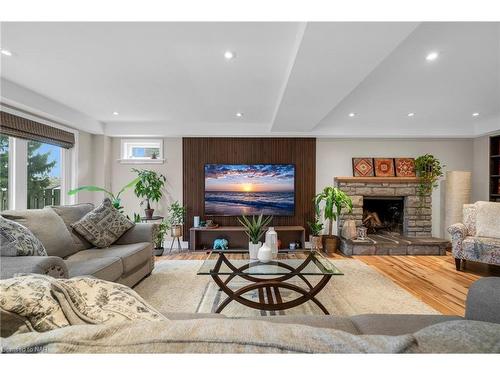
(417, 220)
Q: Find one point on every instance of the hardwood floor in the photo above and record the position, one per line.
(432, 279)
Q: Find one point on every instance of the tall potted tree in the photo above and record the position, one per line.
(150, 188)
(335, 200)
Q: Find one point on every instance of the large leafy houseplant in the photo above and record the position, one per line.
(334, 200)
(254, 228)
(115, 198)
(149, 187)
(428, 169)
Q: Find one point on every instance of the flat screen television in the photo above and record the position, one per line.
(249, 189)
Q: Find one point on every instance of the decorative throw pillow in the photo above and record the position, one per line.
(488, 219)
(16, 240)
(29, 298)
(103, 225)
(88, 300)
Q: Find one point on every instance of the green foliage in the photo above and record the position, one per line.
(335, 201)
(428, 170)
(161, 230)
(4, 162)
(115, 199)
(175, 215)
(255, 227)
(149, 186)
(315, 226)
(137, 218)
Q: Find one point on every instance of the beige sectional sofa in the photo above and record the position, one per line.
(127, 261)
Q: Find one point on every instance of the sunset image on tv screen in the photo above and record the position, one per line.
(249, 189)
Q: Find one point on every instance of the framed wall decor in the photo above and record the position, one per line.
(405, 167)
(384, 167)
(362, 167)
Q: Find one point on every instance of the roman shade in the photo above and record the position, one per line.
(20, 127)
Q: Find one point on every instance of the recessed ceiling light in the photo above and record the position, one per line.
(229, 55)
(475, 114)
(5, 52)
(115, 113)
(411, 114)
(432, 56)
(239, 114)
(352, 114)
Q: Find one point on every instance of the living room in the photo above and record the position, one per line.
(250, 187)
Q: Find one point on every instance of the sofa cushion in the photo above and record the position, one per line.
(487, 219)
(17, 240)
(71, 214)
(109, 268)
(132, 255)
(481, 249)
(29, 298)
(396, 324)
(48, 227)
(103, 225)
(320, 321)
(87, 300)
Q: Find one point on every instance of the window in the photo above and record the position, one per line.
(4, 172)
(142, 151)
(44, 174)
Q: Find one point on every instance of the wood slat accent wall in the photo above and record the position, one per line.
(200, 151)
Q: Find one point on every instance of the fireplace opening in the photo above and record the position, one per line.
(383, 214)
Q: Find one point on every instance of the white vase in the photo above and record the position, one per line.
(265, 254)
(272, 241)
(253, 249)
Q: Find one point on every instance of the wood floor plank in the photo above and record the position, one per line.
(432, 279)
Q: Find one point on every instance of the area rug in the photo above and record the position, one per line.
(175, 287)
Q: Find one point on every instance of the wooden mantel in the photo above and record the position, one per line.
(391, 180)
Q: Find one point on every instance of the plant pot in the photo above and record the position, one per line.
(176, 231)
(253, 249)
(330, 244)
(315, 242)
(149, 213)
(158, 251)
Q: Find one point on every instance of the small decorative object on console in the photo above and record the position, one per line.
(292, 245)
(362, 167)
(384, 167)
(220, 244)
(196, 221)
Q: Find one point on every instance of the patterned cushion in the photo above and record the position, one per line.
(16, 240)
(103, 225)
(29, 298)
(481, 249)
(469, 213)
(89, 300)
(488, 219)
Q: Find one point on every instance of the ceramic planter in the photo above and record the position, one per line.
(253, 249)
(149, 212)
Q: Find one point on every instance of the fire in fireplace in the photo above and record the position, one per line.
(383, 214)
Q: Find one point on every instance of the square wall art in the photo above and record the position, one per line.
(362, 167)
(384, 167)
(405, 167)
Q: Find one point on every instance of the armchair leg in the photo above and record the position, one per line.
(458, 264)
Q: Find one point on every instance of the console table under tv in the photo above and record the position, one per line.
(202, 238)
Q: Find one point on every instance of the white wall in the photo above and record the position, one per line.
(334, 158)
(121, 174)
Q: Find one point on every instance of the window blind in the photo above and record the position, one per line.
(20, 127)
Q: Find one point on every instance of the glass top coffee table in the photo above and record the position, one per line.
(269, 278)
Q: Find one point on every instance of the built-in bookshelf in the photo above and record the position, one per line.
(495, 168)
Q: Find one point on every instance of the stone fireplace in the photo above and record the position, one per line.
(404, 220)
(416, 215)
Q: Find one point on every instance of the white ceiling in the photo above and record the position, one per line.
(171, 79)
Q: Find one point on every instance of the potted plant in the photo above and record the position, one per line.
(159, 237)
(175, 219)
(254, 229)
(335, 200)
(315, 227)
(428, 169)
(115, 199)
(150, 187)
